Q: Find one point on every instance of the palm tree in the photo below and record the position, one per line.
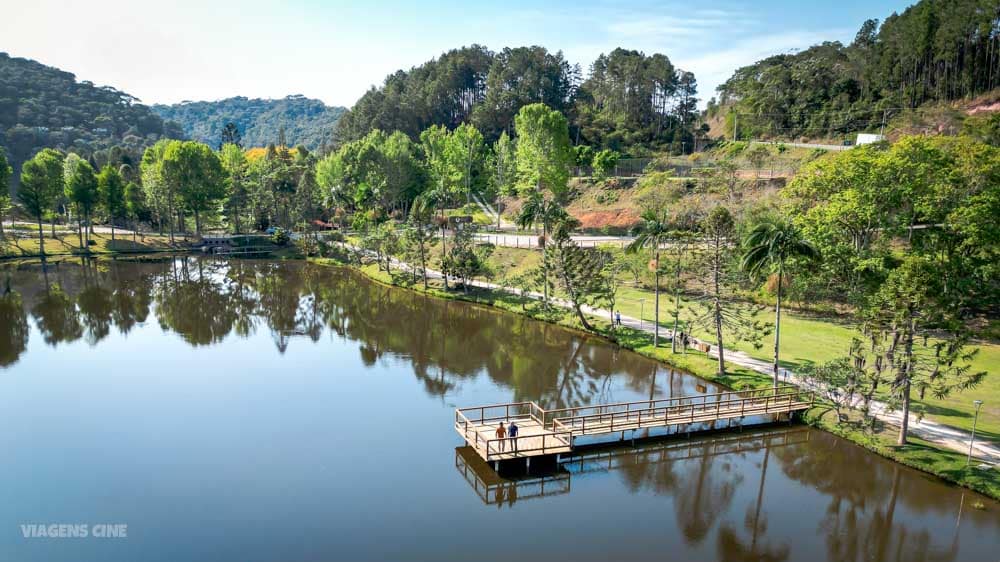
(771, 244)
(653, 231)
(538, 209)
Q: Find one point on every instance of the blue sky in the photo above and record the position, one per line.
(169, 51)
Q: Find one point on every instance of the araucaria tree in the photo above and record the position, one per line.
(539, 209)
(926, 336)
(582, 272)
(41, 185)
(466, 259)
(722, 314)
(771, 245)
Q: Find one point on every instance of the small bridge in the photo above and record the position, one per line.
(241, 250)
(552, 432)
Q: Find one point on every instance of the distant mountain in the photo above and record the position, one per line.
(41, 107)
(306, 121)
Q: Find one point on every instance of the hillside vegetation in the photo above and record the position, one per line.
(260, 122)
(629, 101)
(935, 50)
(44, 107)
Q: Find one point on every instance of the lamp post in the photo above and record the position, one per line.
(642, 307)
(978, 404)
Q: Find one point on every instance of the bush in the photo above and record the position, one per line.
(280, 238)
(604, 162)
(308, 246)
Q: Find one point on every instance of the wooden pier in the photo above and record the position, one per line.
(552, 432)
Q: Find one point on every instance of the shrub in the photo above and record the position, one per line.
(604, 162)
(280, 237)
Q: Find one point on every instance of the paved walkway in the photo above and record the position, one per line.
(940, 434)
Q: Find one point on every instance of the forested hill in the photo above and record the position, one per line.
(308, 122)
(935, 50)
(628, 101)
(41, 107)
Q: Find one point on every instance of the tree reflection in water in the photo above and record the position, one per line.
(874, 509)
(205, 300)
(13, 325)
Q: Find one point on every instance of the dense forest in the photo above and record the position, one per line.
(44, 107)
(936, 50)
(306, 122)
(629, 102)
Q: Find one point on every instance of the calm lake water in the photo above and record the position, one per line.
(260, 411)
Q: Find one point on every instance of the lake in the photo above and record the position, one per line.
(266, 411)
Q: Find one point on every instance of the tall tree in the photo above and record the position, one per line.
(722, 313)
(503, 169)
(770, 245)
(651, 234)
(158, 191)
(135, 205)
(5, 173)
(231, 135)
(234, 162)
(111, 192)
(469, 152)
(927, 334)
(540, 209)
(444, 176)
(81, 191)
(196, 172)
(41, 185)
(544, 152)
(420, 235)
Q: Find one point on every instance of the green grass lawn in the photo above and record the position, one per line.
(806, 339)
(70, 244)
(917, 453)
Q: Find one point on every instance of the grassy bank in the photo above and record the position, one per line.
(807, 338)
(918, 454)
(69, 244)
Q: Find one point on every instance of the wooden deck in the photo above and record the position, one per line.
(551, 432)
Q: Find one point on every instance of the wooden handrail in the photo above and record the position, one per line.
(780, 391)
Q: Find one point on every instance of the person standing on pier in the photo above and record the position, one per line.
(502, 436)
(513, 436)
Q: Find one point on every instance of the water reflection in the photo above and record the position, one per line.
(870, 509)
(95, 359)
(204, 301)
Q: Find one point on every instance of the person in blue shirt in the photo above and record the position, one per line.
(512, 431)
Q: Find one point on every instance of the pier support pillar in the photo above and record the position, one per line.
(512, 467)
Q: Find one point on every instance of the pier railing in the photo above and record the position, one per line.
(541, 444)
(608, 418)
(552, 431)
(468, 421)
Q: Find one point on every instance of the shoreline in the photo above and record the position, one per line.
(947, 465)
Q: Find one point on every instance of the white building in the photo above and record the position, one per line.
(868, 138)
